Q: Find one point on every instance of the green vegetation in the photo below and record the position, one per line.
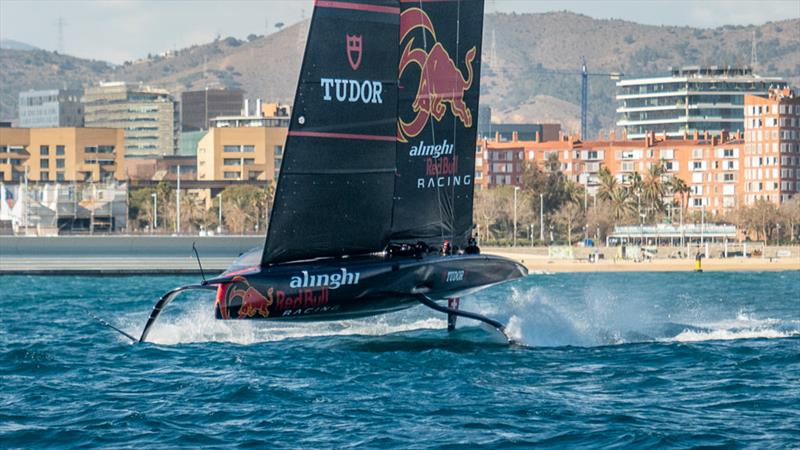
(653, 198)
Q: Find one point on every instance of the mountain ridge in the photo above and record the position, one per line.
(522, 83)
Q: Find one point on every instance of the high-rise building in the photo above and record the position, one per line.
(701, 99)
(772, 149)
(198, 107)
(50, 108)
(148, 116)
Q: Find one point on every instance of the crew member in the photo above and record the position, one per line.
(472, 246)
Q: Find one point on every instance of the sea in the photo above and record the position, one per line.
(602, 360)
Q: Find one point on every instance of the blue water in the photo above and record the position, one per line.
(610, 360)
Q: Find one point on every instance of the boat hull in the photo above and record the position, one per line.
(345, 288)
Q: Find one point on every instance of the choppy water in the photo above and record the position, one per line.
(628, 360)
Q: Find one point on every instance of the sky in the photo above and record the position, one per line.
(121, 30)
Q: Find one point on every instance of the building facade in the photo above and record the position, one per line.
(198, 107)
(50, 108)
(241, 152)
(709, 165)
(147, 116)
(691, 99)
(61, 154)
(772, 149)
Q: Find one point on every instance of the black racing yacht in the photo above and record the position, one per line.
(373, 205)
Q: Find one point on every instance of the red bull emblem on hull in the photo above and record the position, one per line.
(441, 81)
(251, 301)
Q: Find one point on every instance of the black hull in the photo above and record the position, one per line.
(346, 288)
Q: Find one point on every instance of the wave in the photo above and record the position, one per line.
(197, 325)
(536, 319)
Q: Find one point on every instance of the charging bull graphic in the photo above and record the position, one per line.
(441, 81)
(249, 299)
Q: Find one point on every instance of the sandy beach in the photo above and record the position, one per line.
(543, 263)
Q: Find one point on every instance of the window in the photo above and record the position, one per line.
(249, 161)
(59, 176)
(230, 148)
(253, 175)
(248, 148)
(90, 149)
(44, 176)
(105, 149)
(60, 163)
(232, 162)
(728, 177)
(44, 150)
(59, 150)
(231, 175)
(44, 164)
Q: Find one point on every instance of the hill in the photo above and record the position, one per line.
(516, 82)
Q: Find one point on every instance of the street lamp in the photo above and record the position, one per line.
(516, 188)
(155, 210)
(541, 217)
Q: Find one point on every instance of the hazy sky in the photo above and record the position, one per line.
(119, 30)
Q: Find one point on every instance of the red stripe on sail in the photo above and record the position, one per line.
(362, 137)
(357, 6)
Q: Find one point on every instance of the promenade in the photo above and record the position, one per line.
(151, 255)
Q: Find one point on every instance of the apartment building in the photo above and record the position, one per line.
(692, 99)
(148, 116)
(772, 148)
(710, 165)
(61, 154)
(50, 108)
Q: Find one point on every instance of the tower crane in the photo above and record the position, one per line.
(585, 74)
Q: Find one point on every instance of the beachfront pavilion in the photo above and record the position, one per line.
(672, 235)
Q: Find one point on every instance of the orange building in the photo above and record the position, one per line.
(772, 149)
(61, 154)
(711, 166)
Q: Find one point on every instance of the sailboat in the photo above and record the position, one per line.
(373, 205)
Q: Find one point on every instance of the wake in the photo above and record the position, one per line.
(535, 317)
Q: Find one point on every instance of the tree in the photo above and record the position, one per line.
(608, 184)
(790, 216)
(653, 189)
(569, 217)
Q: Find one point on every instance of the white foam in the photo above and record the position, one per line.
(199, 325)
(728, 335)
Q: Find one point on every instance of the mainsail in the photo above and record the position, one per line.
(334, 193)
(382, 139)
(439, 84)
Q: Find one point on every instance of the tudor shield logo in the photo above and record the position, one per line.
(441, 82)
(353, 50)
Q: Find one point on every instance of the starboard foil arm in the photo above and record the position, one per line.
(165, 300)
(430, 303)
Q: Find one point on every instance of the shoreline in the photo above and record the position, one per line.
(172, 255)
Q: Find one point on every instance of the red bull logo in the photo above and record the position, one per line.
(251, 301)
(441, 81)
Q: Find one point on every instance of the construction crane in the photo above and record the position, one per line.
(585, 74)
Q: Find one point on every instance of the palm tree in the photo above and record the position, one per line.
(608, 184)
(619, 203)
(653, 188)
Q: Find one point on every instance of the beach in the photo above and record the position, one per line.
(539, 263)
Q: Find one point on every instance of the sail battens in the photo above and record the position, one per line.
(362, 137)
(357, 6)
